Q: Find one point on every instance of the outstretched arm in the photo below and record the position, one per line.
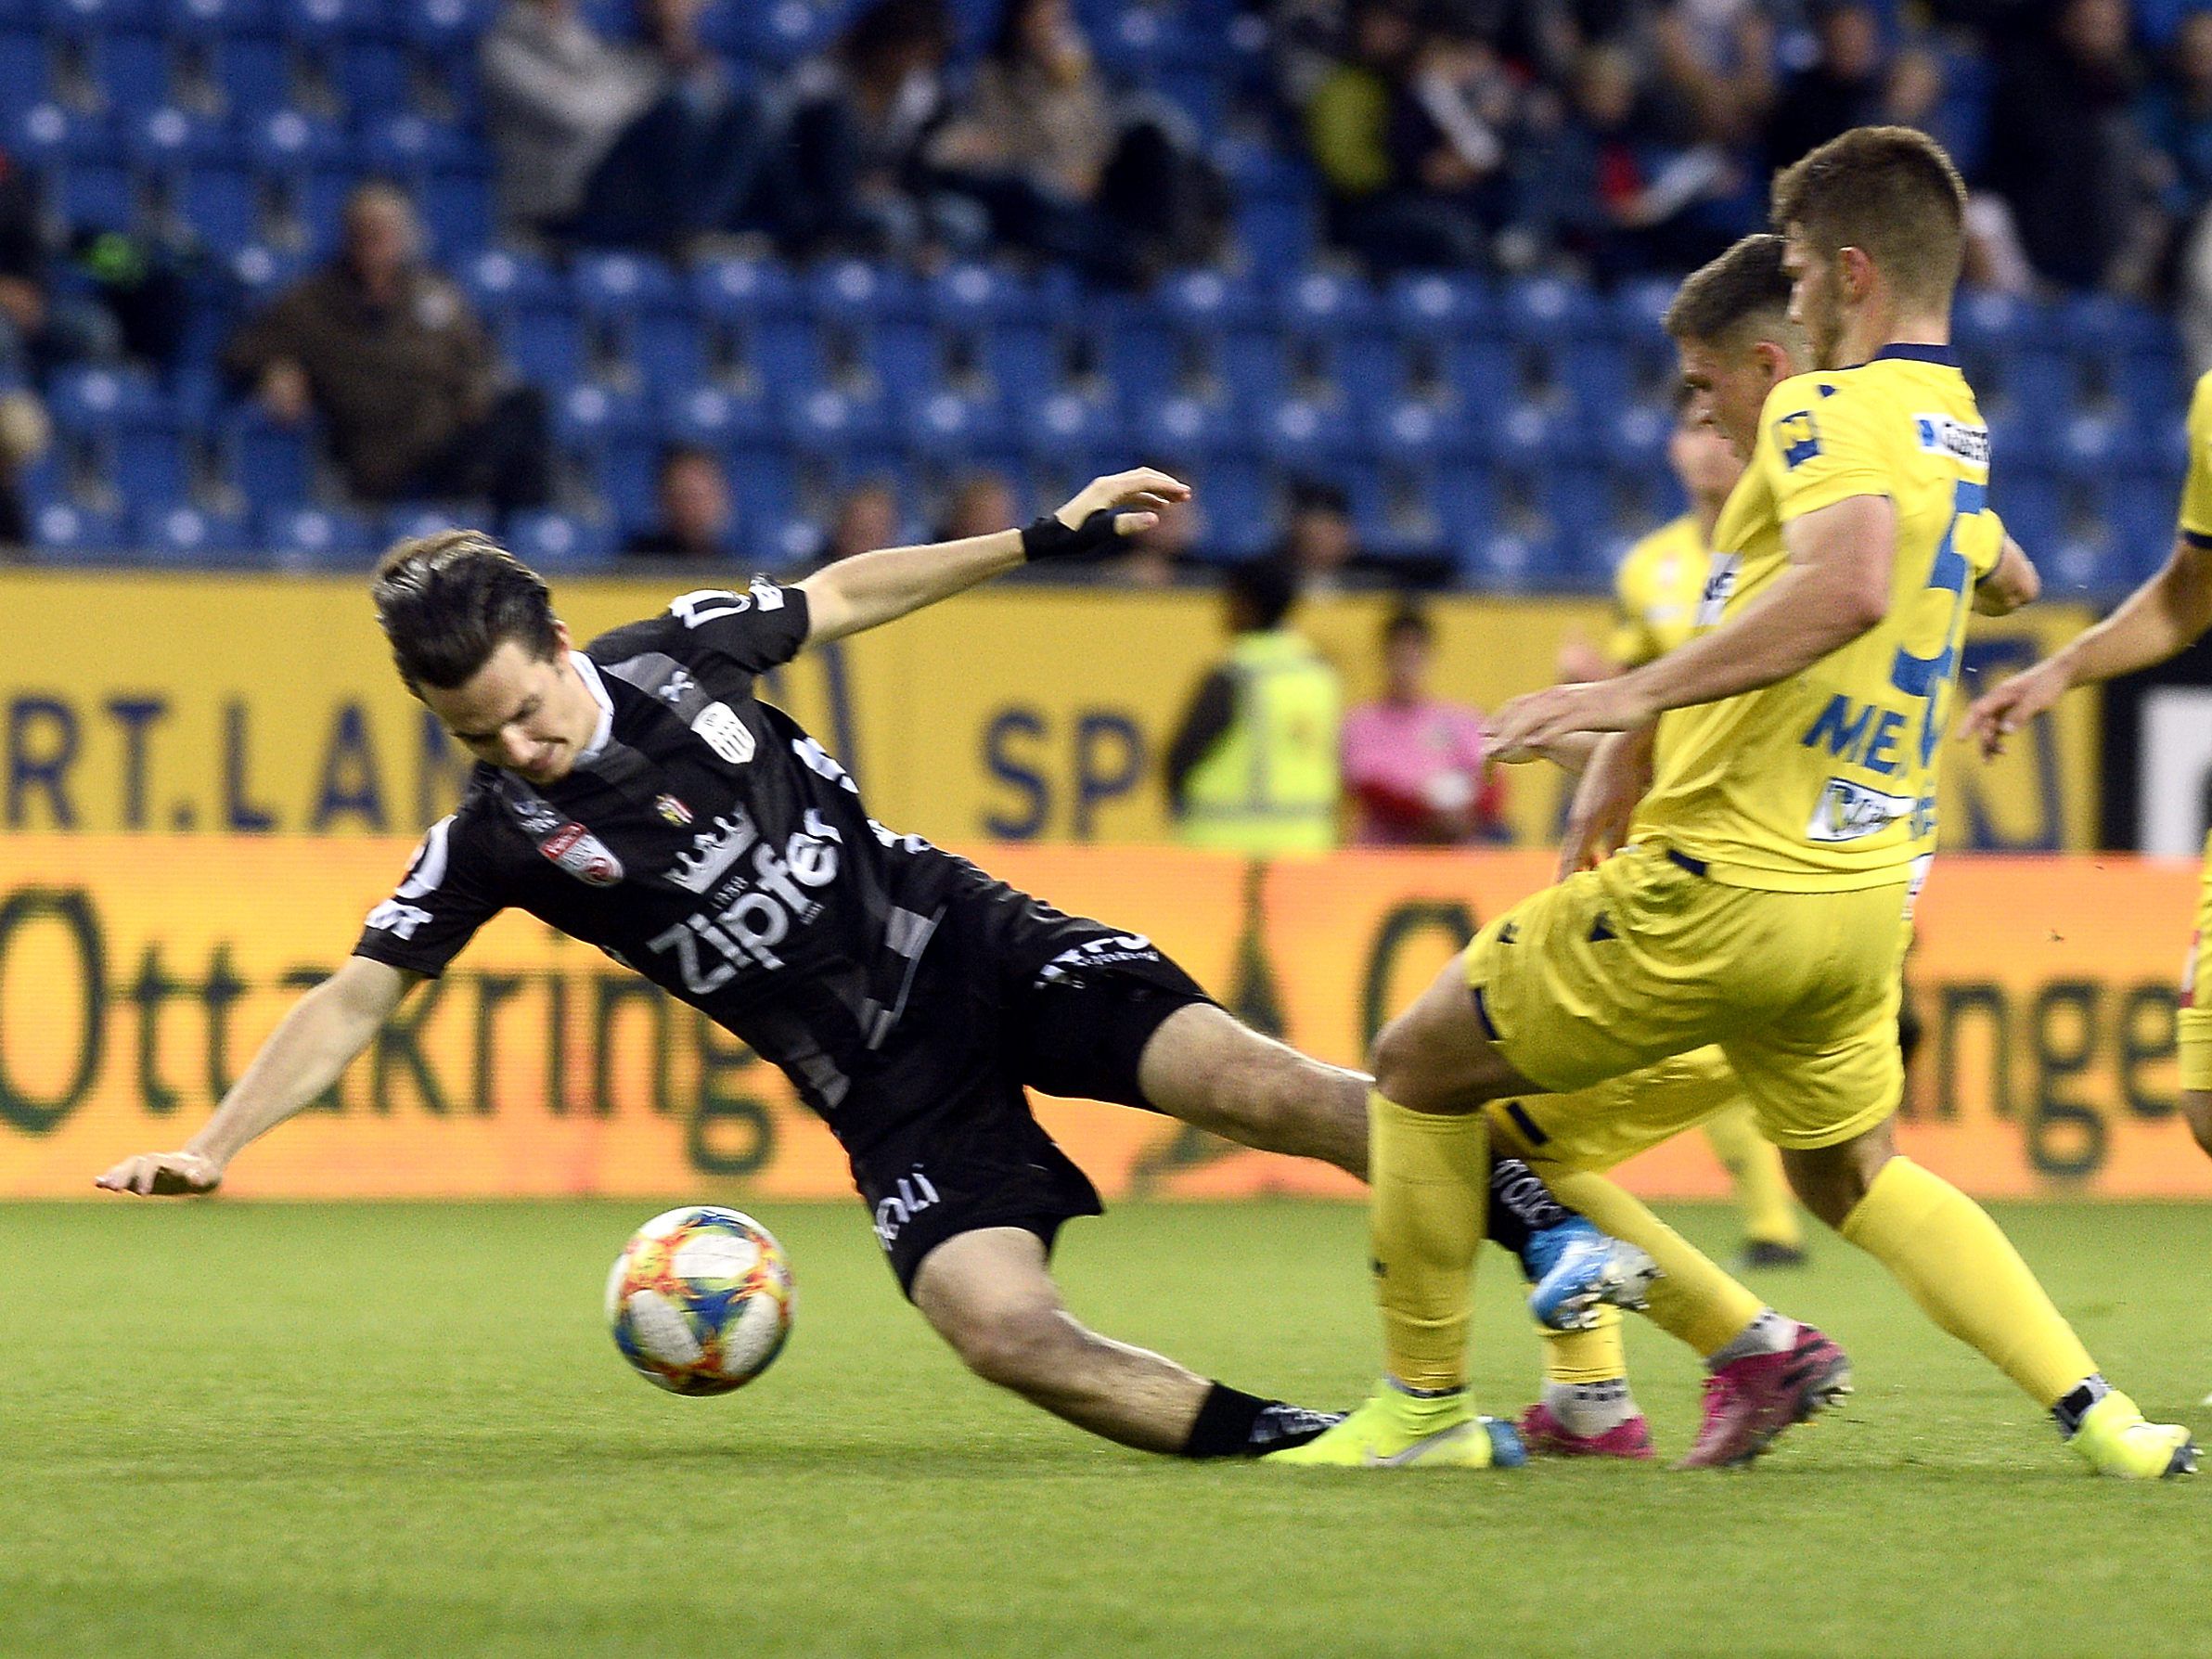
(2164, 616)
(872, 588)
(303, 1056)
(1835, 588)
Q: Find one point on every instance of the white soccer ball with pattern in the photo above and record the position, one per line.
(700, 1300)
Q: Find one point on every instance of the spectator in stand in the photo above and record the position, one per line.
(1414, 764)
(2064, 153)
(1037, 146)
(1845, 85)
(1320, 542)
(1406, 133)
(388, 353)
(24, 435)
(1715, 59)
(1606, 183)
(697, 521)
(866, 518)
(980, 503)
(647, 145)
(40, 329)
(850, 175)
(2176, 120)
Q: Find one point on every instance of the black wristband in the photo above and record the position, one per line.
(1049, 538)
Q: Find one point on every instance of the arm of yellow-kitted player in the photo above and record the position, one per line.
(304, 1055)
(873, 588)
(1834, 588)
(2011, 583)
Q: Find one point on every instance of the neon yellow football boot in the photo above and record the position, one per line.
(2117, 1441)
(1396, 1430)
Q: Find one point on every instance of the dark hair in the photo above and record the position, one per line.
(448, 601)
(677, 455)
(1406, 617)
(1006, 44)
(891, 26)
(1320, 494)
(1265, 589)
(1891, 191)
(1747, 283)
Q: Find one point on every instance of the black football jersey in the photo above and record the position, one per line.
(707, 842)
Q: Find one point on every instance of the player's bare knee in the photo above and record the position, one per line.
(1404, 1070)
(2197, 1111)
(1015, 1345)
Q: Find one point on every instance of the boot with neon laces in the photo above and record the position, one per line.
(1398, 1429)
(1778, 1372)
(2109, 1430)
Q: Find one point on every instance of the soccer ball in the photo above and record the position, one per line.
(700, 1300)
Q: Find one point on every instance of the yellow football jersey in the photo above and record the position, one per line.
(2196, 492)
(1826, 781)
(1657, 591)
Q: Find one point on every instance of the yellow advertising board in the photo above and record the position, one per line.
(138, 973)
(143, 703)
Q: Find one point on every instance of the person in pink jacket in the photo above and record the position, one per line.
(1414, 764)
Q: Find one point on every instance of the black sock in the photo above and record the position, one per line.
(2076, 1405)
(1521, 1206)
(1232, 1424)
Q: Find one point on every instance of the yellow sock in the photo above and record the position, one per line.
(1596, 1354)
(1430, 1177)
(1695, 1301)
(1943, 1248)
(1762, 1191)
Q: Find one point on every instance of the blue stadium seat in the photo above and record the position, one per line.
(618, 284)
(624, 475)
(456, 212)
(214, 19)
(544, 343)
(308, 536)
(219, 206)
(372, 79)
(336, 19)
(133, 71)
(1065, 427)
(262, 271)
(906, 360)
(713, 416)
(2026, 498)
(190, 535)
(1303, 436)
(291, 142)
(1235, 501)
(77, 530)
(253, 72)
(25, 70)
(554, 541)
(1023, 363)
(97, 196)
(271, 466)
(667, 351)
(83, 18)
(587, 415)
(853, 293)
(945, 427)
(1542, 309)
(499, 281)
(408, 146)
(783, 356)
(743, 291)
(829, 423)
(440, 28)
(150, 464)
(1190, 427)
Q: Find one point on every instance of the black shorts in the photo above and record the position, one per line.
(1009, 996)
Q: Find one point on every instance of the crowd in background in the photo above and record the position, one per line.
(1606, 139)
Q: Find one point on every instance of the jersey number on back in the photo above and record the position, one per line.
(1926, 677)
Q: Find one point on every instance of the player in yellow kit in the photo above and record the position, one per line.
(1761, 904)
(2162, 617)
(1657, 591)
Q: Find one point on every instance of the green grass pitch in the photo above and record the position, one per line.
(402, 1430)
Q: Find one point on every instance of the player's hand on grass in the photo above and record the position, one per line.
(1531, 727)
(1997, 715)
(164, 1174)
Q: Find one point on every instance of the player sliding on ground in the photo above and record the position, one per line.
(637, 795)
(1761, 904)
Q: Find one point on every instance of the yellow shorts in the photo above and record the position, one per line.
(1610, 1122)
(1644, 958)
(2193, 1024)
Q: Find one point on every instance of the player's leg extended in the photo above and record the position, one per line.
(2192, 1020)
(1772, 1237)
(1211, 1070)
(1430, 1179)
(989, 1295)
(1956, 1263)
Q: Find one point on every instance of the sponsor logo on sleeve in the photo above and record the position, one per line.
(1944, 434)
(1720, 586)
(1797, 438)
(399, 920)
(718, 726)
(582, 855)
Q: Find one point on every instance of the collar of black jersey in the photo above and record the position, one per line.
(1911, 352)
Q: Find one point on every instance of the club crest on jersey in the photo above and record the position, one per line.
(1797, 438)
(672, 809)
(582, 855)
(718, 726)
(713, 851)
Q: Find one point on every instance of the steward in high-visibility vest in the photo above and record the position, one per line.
(1253, 767)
